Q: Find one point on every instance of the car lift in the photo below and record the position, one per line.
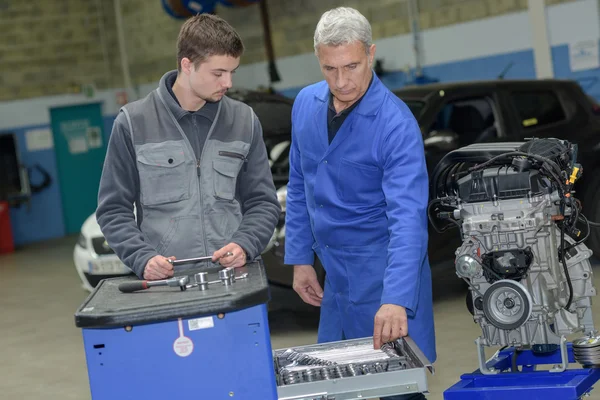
(503, 379)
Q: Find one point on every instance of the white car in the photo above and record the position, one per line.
(94, 259)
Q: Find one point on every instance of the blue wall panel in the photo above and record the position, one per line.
(521, 66)
(588, 79)
(483, 68)
(43, 219)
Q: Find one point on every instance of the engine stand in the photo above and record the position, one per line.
(512, 374)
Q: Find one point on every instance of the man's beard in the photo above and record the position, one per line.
(214, 98)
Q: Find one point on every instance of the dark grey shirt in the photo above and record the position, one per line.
(335, 120)
(195, 124)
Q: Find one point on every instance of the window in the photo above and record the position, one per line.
(472, 119)
(538, 108)
(416, 107)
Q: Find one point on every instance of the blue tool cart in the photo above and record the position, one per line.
(210, 341)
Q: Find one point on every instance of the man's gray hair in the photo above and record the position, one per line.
(343, 25)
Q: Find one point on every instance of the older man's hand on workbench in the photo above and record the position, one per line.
(232, 255)
(307, 285)
(158, 267)
(390, 324)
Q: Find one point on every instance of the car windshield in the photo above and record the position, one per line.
(415, 106)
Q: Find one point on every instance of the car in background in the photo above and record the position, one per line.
(456, 114)
(95, 260)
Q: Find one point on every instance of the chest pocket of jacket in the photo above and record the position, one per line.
(359, 183)
(162, 170)
(225, 179)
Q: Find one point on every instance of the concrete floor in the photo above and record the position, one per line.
(42, 353)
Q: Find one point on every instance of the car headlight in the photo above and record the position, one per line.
(81, 241)
(282, 197)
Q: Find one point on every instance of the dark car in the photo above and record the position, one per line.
(452, 115)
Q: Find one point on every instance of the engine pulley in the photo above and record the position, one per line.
(507, 304)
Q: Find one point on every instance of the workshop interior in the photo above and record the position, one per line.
(506, 94)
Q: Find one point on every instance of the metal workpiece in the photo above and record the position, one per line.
(201, 279)
(227, 277)
(350, 369)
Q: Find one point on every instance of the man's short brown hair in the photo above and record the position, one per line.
(206, 35)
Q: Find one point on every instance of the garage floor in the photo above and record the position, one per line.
(42, 351)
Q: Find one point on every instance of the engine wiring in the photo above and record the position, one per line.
(561, 177)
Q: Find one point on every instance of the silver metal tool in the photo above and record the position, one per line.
(201, 279)
(227, 277)
(189, 260)
(350, 369)
(178, 281)
(196, 259)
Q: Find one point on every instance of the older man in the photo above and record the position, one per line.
(357, 196)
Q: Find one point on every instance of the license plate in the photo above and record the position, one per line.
(107, 267)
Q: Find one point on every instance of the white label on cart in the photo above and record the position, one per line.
(183, 346)
(201, 323)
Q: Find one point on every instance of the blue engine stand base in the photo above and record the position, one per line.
(526, 383)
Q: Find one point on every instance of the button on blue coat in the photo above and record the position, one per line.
(360, 204)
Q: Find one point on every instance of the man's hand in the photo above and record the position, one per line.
(307, 285)
(390, 324)
(232, 255)
(158, 268)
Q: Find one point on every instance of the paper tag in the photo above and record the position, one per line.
(39, 139)
(183, 346)
(201, 323)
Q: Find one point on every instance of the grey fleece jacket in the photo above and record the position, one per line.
(184, 205)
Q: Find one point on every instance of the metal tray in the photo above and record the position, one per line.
(350, 369)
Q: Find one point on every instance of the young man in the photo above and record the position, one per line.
(192, 160)
(357, 196)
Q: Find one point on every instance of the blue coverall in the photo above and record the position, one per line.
(360, 204)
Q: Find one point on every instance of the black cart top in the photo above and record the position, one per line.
(106, 306)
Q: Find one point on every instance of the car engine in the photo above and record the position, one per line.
(523, 254)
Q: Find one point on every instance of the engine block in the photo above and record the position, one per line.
(519, 291)
(522, 254)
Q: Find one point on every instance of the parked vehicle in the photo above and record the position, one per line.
(452, 115)
(94, 259)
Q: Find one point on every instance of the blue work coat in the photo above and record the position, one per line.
(360, 204)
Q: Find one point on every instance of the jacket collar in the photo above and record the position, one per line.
(209, 110)
(177, 111)
(370, 103)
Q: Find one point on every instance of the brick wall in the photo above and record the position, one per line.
(52, 47)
